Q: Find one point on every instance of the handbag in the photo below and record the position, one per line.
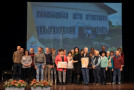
(109, 63)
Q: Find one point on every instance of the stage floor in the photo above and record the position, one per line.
(126, 86)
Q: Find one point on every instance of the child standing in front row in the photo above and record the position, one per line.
(69, 68)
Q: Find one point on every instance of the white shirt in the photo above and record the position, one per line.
(70, 63)
(85, 54)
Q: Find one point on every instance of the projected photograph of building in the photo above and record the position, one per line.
(66, 25)
(69, 20)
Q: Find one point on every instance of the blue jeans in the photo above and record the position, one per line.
(85, 73)
(39, 71)
(17, 71)
(117, 73)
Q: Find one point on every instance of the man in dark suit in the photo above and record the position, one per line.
(103, 50)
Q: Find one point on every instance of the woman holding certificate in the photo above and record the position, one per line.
(61, 63)
(85, 66)
(77, 64)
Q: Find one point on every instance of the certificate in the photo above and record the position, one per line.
(62, 65)
(84, 62)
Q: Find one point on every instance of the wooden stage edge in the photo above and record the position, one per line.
(125, 86)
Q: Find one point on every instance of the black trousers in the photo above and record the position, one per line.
(69, 75)
(122, 76)
(26, 74)
(91, 76)
(33, 73)
(103, 75)
(17, 71)
(109, 75)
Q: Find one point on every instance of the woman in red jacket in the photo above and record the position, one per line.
(61, 58)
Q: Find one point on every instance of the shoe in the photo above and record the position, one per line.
(97, 84)
(113, 83)
(69, 83)
(119, 83)
(77, 83)
(87, 83)
(93, 83)
(103, 83)
(64, 83)
(83, 83)
(60, 83)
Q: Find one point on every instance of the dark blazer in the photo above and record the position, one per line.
(49, 59)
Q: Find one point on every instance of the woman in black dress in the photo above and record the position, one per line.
(77, 64)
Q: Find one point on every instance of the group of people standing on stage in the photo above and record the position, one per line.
(103, 66)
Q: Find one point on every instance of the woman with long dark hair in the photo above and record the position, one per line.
(77, 64)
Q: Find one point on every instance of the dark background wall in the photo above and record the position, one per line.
(14, 32)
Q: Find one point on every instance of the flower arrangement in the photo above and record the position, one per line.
(41, 84)
(16, 84)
